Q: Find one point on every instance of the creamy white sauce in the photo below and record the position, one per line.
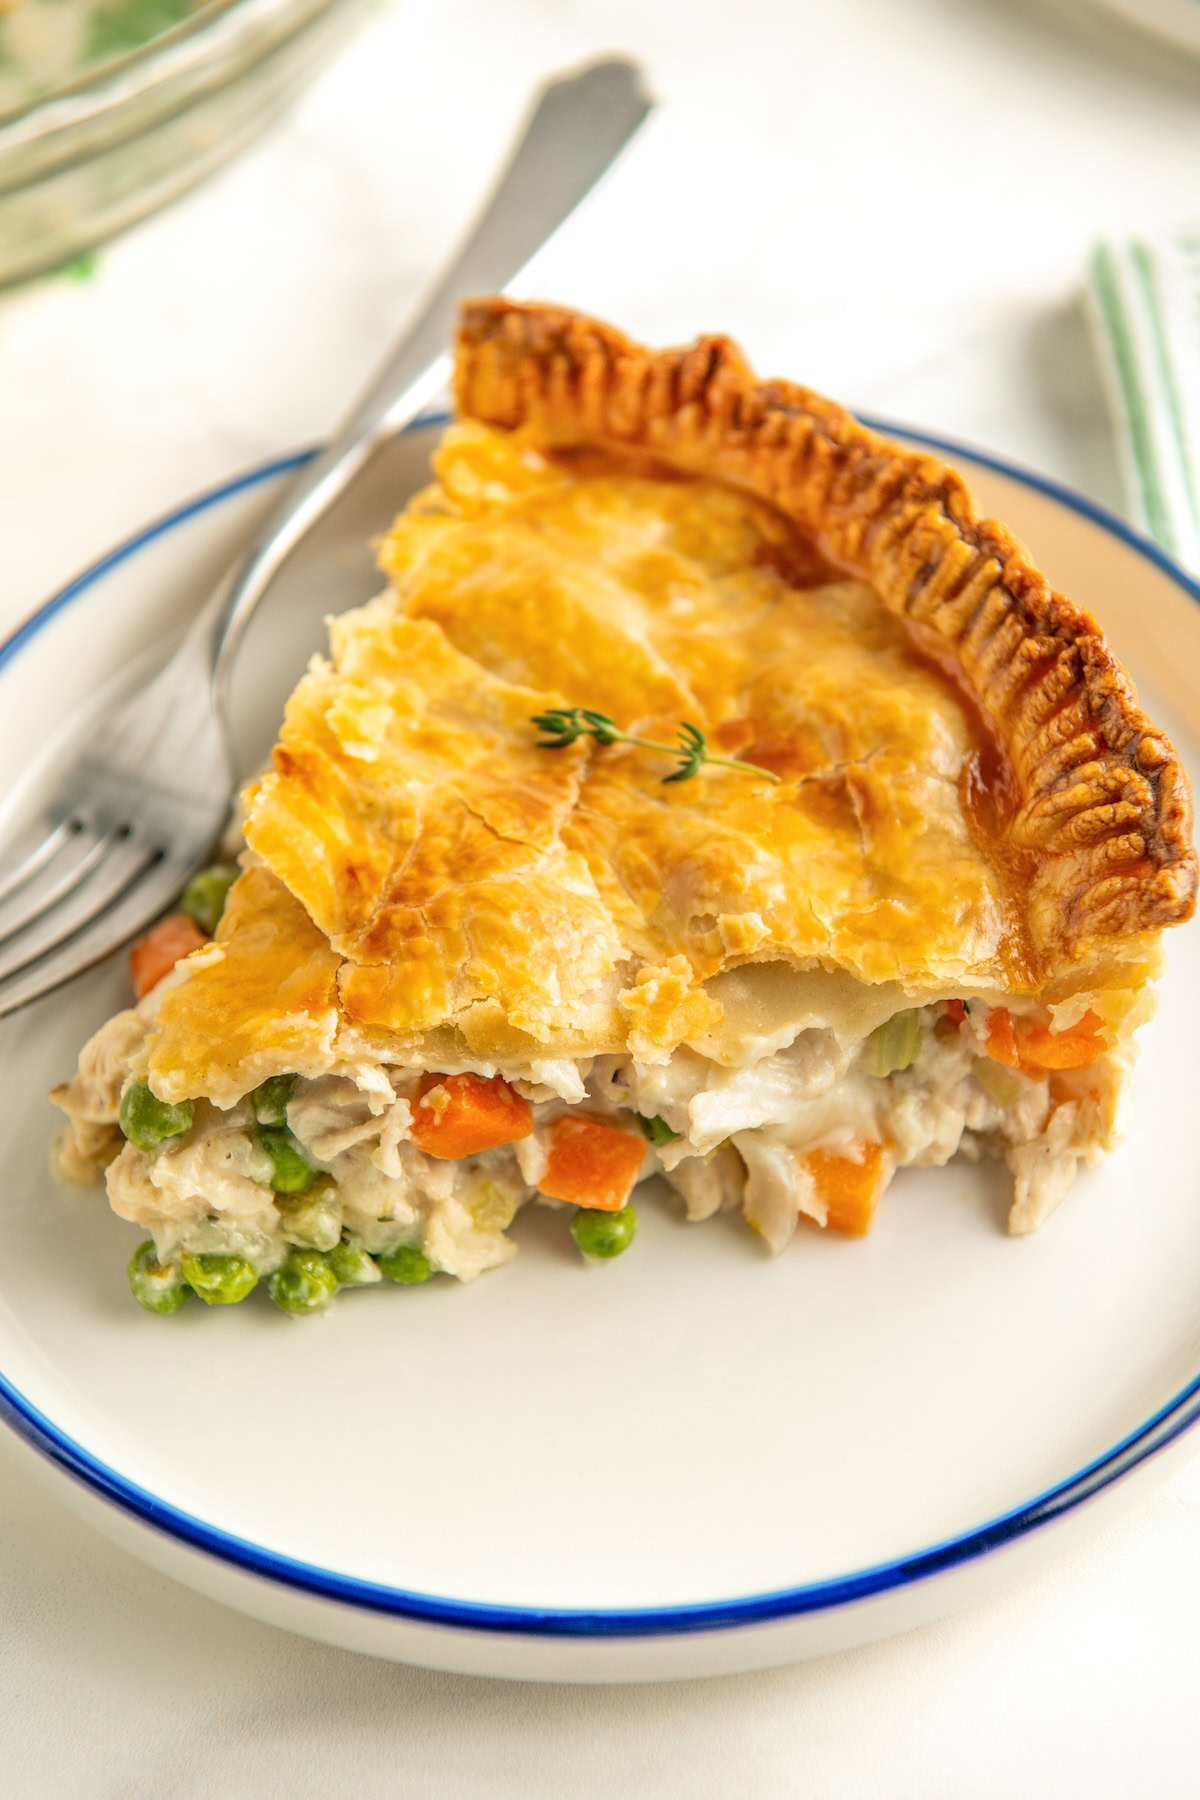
(741, 1132)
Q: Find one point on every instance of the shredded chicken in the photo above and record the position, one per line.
(733, 1137)
(93, 1093)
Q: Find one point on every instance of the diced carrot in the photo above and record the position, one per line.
(591, 1164)
(1078, 1045)
(156, 954)
(460, 1115)
(1000, 1039)
(1035, 1049)
(850, 1183)
(950, 1020)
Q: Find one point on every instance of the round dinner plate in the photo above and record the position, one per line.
(692, 1461)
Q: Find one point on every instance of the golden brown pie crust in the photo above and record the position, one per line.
(1102, 802)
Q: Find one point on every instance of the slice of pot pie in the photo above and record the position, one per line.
(711, 794)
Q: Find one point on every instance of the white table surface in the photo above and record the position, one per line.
(890, 199)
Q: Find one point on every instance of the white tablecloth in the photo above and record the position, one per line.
(891, 199)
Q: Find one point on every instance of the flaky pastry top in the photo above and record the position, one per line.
(968, 796)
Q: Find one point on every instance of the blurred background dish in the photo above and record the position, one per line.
(1172, 21)
(110, 108)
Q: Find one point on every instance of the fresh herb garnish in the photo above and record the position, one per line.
(565, 724)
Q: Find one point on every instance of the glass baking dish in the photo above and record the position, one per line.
(93, 156)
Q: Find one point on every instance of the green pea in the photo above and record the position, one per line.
(656, 1130)
(270, 1099)
(148, 1121)
(306, 1283)
(352, 1264)
(291, 1170)
(159, 1287)
(406, 1264)
(218, 1279)
(205, 895)
(604, 1234)
(313, 1220)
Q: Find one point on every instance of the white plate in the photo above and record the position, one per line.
(695, 1460)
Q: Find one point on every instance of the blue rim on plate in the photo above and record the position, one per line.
(1147, 1440)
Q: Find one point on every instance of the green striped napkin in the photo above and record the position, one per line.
(1143, 304)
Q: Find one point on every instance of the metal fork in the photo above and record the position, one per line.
(150, 790)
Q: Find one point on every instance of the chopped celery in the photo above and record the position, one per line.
(1002, 1085)
(493, 1204)
(893, 1045)
(656, 1130)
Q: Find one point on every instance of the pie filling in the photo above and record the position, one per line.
(442, 1161)
(848, 849)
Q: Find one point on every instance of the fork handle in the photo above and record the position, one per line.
(575, 129)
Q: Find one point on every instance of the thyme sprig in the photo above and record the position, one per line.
(566, 724)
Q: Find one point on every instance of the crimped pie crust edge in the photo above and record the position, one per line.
(1103, 804)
